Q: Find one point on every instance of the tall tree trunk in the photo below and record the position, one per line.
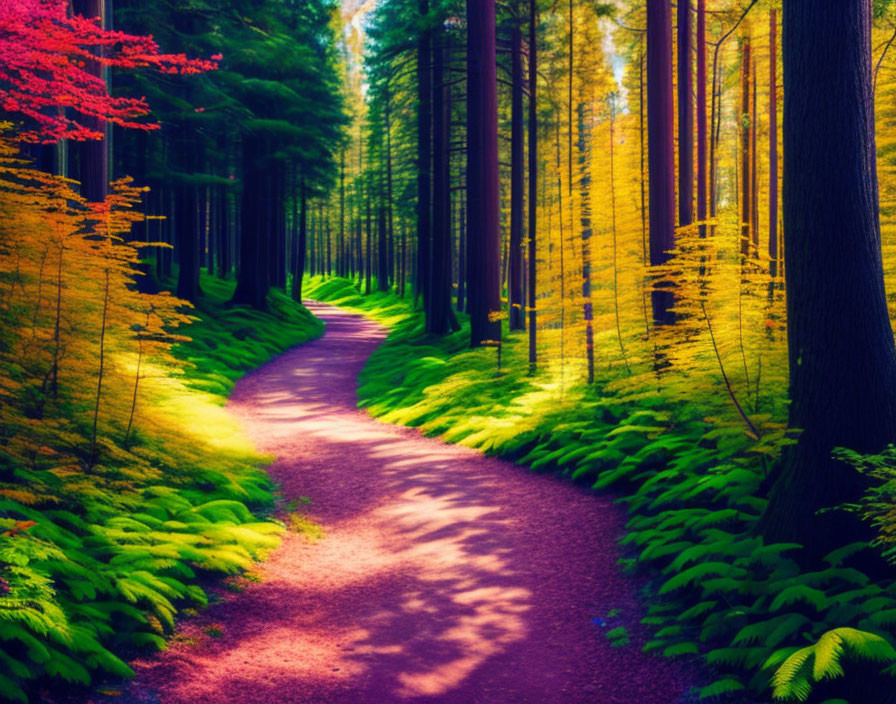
(483, 242)
(517, 317)
(424, 159)
(773, 145)
(368, 261)
(842, 354)
(340, 249)
(389, 209)
(94, 154)
(301, 243)
(746, 204)
(754, 168)
(382, 274)
(685, 117)
(404, 260)
(462, 259)
(660, 150)
(701, 115)
(187, 242)
(533, 178)
(584, 146)
(440, 318)
(211, 227)
(252, 282)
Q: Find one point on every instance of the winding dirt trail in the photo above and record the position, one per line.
(443, 576)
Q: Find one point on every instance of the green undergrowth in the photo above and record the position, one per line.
(98, 557)
(691, 480)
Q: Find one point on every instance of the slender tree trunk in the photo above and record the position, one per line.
(754, 169)
(585, 224)
(843, 394)
(99, 380)
(424, 159)
(642, 133)
(773, 145)
(94, 154)
(483, 241)
(533, 179)
(685, 117)
(300, 244)
(701, 115)
(440, 318)
(613, 225)
(517, 317)
(389, 208)
(462, 260)
(660, 155)
(340, 251)
(715, 126)
(746, 204)
(368, 261)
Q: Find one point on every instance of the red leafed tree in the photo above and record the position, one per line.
(47, 71)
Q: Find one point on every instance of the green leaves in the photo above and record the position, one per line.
(794, 678)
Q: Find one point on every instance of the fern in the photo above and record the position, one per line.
(793, 679)
(720, 687)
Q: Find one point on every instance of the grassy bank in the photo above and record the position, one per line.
(99, 554)
(691, 479)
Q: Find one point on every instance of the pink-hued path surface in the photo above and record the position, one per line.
(443, 577)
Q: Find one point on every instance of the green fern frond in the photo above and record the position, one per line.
(823, 660)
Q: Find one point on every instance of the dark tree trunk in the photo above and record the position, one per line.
(278, 213)
(294, 234)
(660, 150)
(368, 260)
(685, 117)
(389, 213)
(440, 318)
(424, 160)
(301, 244)
(483, 242)
(773, 145)
(462, 259)
(93, 155)
(842, 355)
(187, 243)
(533, 178)
(187, 228)
(701, 115)
(211, 231)
(402, 284)
(382, 274)
(517, 317)
(252, 282)
(312, 245)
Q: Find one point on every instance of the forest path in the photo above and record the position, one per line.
(443, 576)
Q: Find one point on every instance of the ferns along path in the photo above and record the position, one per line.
(441, 575)
(645, 248)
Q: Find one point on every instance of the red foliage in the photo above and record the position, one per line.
(48, 62)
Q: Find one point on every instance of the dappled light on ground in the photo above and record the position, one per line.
(442, 576)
